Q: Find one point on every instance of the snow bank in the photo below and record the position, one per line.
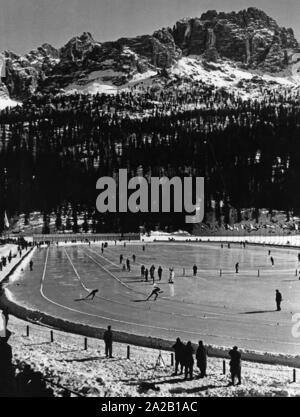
(89, 373)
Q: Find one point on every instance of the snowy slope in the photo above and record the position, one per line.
(103, 82)
(90, 374)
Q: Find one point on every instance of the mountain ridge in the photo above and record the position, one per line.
(248, 39)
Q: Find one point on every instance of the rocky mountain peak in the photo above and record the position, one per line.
(248, 38)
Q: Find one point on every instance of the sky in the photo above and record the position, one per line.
(26, 24)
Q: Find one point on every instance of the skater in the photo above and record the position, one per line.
(278, 299)
(201, 356)
(299, 256)
(269, 252)
(195, 270)
(133, 258)
(235, 365)
(155, 291)
(228, 245)
(188, 360)
(91, 294)
(146, 274)
(159, 272)
(142, 271)
(121, 259)
(107, 337)
(128, 264)
(179, 354)
(272, 260)
(172, 276)
(102, 249)
(237, 268)
(222, 245)
(31, 265)
(143, 248)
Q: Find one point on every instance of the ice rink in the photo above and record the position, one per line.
(223, 308)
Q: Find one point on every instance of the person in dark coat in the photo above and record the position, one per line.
(107, 337)
(128, 264)
(6, 369)
(142, 271)
(179, 353)
(235, 365)
(195, 270)
(237, 268)
(146, 274)
(201, 357)
(159, 272)
(151, 270)
(188, 360)
(278, 299)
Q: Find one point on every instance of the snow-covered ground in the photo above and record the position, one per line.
(89, 373)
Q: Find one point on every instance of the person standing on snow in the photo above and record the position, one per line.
(107, 337)
(179, 353)
(201, 356)
(235, 365)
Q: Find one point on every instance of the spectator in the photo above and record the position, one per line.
(235, 365)
(179, 355)
(201, 356)
(7, 387)
(188, 360)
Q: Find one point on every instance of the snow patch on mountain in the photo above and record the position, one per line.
(225, 74)
(108, 82)
(5, 100)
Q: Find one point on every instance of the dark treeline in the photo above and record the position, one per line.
(54, 148)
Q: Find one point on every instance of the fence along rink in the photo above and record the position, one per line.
(62, 237)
